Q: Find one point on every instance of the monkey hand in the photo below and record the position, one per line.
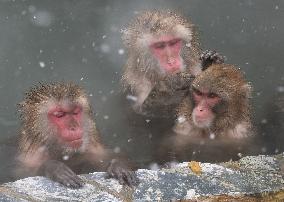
(61, 173)
(119, 171)
(210, 57)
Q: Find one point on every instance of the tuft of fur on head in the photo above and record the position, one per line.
(225, 80)
(156, 23)
(34, 108)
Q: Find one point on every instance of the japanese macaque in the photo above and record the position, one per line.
(216, 113)
(163, 58)
(58, 137)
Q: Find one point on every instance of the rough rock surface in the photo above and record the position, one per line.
(250, 176)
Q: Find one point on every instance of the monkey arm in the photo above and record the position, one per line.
(167, 94)
(38, 162)
(30, 162)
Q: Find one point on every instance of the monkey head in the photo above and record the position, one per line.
(220, 97)
(161, 41)
(59, 113)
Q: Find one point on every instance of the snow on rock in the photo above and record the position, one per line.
(250, 175)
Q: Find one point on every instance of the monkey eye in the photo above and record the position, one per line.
(59, 114)
(212, 95)
(197, 92)
(159, 45)
(174, 42)
(77, 111)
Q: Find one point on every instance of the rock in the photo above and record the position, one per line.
(249, 179)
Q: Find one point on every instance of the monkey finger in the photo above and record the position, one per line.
(74, 179)
(78, 181)
(134, 179)
(130, 179)
(73, 183)
(119, 176)
(109, 172)
(66, 181)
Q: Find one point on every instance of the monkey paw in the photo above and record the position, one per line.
(124, 176)
(210, 57)
(61, 173)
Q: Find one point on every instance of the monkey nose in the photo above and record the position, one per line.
(73, 128)
(171, 60)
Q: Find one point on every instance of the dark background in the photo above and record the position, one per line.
(80, 41)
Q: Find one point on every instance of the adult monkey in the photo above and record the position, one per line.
(58, 137)
(163, 57)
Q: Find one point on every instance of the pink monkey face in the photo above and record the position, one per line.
(68, 122)
(205, 101)
(166, 49)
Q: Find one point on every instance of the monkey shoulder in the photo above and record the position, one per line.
(240, 131)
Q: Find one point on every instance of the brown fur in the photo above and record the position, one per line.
(41, 152)
(142, 75)
(231, 133)
(228, 83)
(33, 109)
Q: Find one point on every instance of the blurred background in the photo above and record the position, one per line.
(80, 41)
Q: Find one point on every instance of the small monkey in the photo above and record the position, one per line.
(215, 113)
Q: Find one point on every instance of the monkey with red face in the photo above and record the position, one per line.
(58, 137)
(213, 117)
(163, 58)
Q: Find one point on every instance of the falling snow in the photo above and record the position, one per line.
(116, 150)
(41, 64)
(212, 136)
(120, 51)
(105, 48)
(264, 121)
(131, 97)
(280, 89)
(42, 18)
(65, 157)
(147, 120)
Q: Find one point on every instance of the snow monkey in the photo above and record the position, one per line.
(58, 137)
(216, 113)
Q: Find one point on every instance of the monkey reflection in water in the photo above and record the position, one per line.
(213, 121)
(58, 138)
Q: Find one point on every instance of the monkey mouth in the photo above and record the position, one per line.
(202, 122)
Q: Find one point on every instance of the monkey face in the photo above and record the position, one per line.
(205, 101)
(67, 121)
(166, 49)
